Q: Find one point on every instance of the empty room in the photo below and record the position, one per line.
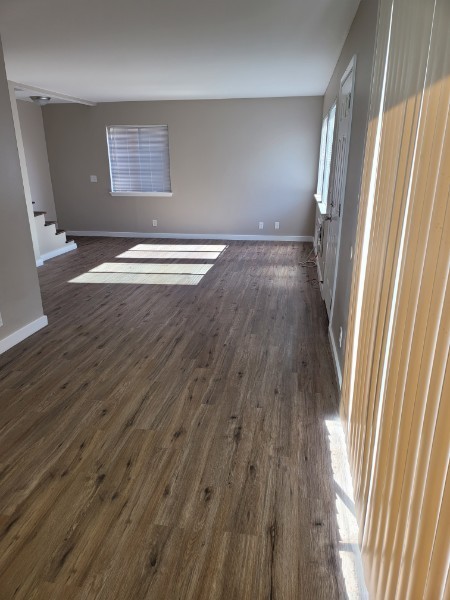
(224, 300)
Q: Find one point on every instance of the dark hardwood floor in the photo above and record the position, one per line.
(169, 441)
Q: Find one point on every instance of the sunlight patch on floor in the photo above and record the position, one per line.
(162, 254)
(171, 268)
(181, 247)
(139, 278)
(349, 551)
(160, 273)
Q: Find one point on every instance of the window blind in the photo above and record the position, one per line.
(323, 143)
(139, 159)
(328, 153)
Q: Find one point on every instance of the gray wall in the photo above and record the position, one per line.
(20, 299)
(33, 136)
(360, 41)
(233, 163)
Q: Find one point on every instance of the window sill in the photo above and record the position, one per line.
(321, 205)
(151, 194)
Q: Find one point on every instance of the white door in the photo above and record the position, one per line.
(339, 177)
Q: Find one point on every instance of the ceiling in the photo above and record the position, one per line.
(111, 50)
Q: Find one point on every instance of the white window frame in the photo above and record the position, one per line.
(326, 150)
(113, 192)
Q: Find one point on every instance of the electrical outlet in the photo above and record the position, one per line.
(93, 178)
(277, 225)
(155, 223)
(340, 337)
(261, 225)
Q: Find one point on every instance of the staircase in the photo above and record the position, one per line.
(52, 241)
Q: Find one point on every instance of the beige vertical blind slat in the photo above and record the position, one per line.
(428, 320)
(423, 274)
(447, 588)
(428, 494)
(439, 569)
(423, 476)
(395, 156)
(398, 372)
(394, 400)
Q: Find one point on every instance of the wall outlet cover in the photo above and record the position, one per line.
(93, 178)
(155, 223)
(261, 225)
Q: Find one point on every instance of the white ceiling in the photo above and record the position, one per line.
(109, 50)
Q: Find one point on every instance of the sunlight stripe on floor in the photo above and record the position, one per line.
(167, 255)
(186, 269)
(181, 247)
(139, 278)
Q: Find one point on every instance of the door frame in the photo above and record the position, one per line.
(351, 67)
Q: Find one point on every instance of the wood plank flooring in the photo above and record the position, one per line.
(168, 441)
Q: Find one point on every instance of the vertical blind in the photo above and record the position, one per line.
(396, 387)
(139, 159)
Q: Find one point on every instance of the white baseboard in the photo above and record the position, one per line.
(194, 236)
(66, 248)
(337, 366)
(22, 333)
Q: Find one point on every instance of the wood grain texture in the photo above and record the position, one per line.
(168, 442)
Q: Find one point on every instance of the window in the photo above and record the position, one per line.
(139, 160)
(326, 150)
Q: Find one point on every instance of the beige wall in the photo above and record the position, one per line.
(20, 300)
(33, 136)
(360, 42)
(233, 163)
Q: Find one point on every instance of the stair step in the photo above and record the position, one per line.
(38, 213)
(59, 231)
(47, 223)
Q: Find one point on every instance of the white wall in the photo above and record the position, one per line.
(20, 299)
(233, 163)
(33, 137)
